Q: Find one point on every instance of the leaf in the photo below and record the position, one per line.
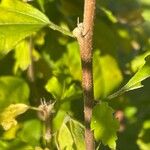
(73, 61)
(104, 73)
(11, 133)
(146, 11)
(71, 135)
(22, 56)
(7, 118)
(104, 125)
(144, 136)
(13, 90)
(135, 81)
(61, 87)
(28, 135)
(64, 138)
(21, 18)
(139, 61)
(54, 87)
(77, 131)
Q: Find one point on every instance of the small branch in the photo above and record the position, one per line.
(60, 29)
(31, 75)
(84, 35)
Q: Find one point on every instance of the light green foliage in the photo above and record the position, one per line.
(142, 74)
(31, 132)
(71, 135)
(22, 56)
(135, 81)
(11, 133)
(7, 118)
(17, 91)
(61, 88)
(107, 75)
(104, 125)
(73, 60)
(138, 61)
(17, 21)
(146, 12)
(144, 136)
(54, 86)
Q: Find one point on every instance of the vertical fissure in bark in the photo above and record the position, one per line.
(84, 35)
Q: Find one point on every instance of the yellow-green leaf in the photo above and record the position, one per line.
(7, 118)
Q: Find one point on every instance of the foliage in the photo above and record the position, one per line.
(37, 62)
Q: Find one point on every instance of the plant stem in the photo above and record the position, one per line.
(84, 34)
(31, 67)
(87, 69)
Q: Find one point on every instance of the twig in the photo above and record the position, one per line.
(31, 67)
(84, 34)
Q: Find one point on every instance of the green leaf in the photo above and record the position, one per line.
(21, 18)
(54, 87)
(104, 73)
(61, 87)
(71, 135)
(13, 90)
(64, 138)
(77, 131)
(7, 118)
(104, 125)
(11, 133)
(144, 136)
(135, 81)
(73, 61)
(139, 61)
(22, 56)
(28, 135)
(146, 11)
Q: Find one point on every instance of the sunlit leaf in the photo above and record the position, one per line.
(74, 132)
(64, 138)
(11, 133)
(7, 118)
(135, 81)
(61, 88)
(73, 60)
(21, 18)
(106, 77)
(54, 87)
(138, 61)
(77, 131)
(104, 125)
(146, 11)
(22, 56)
